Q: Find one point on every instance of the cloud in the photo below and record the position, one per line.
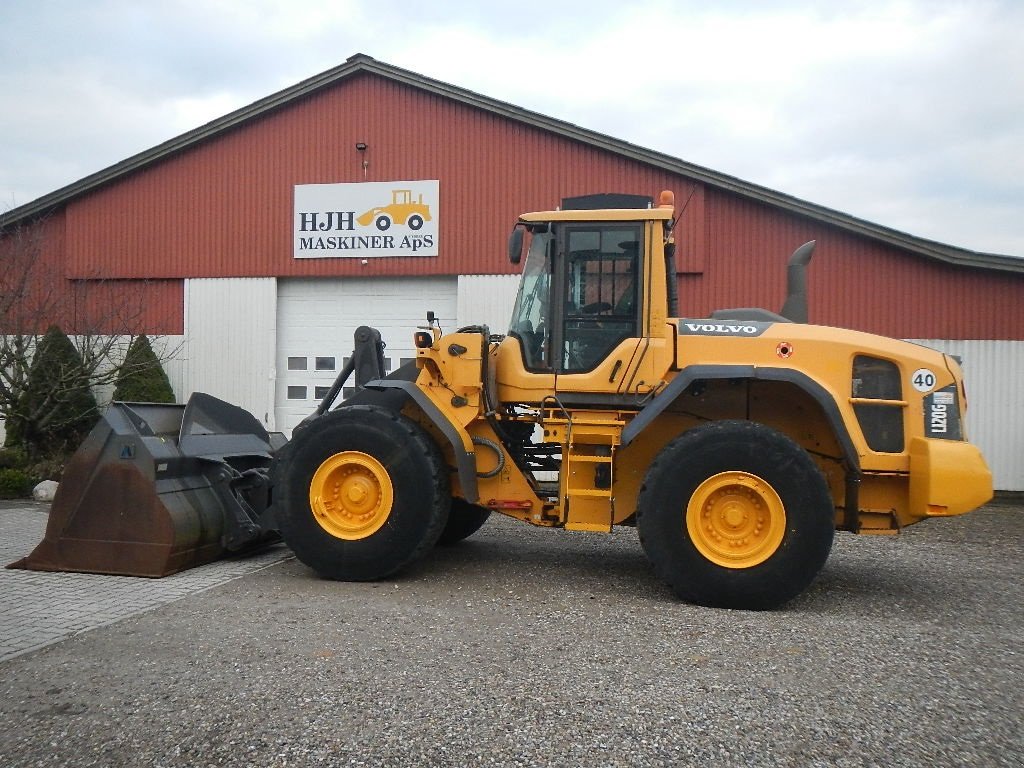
(906, 113)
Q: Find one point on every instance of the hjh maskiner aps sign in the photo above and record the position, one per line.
(386, 218)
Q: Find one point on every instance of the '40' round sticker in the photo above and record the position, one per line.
(923, 380)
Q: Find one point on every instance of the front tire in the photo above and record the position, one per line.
(363, 492)
(733, 514)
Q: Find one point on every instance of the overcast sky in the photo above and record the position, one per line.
(909, 114)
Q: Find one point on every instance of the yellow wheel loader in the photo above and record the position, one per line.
(736, 444)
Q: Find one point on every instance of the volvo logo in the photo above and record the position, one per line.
(697, 328)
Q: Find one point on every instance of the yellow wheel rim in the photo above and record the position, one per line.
(351, 495)
(736, 520)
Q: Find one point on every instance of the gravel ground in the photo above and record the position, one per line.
(532, 647)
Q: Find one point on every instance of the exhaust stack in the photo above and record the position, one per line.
(795, 308)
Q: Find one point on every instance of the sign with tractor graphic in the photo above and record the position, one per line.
(369, 219)
(402, 210)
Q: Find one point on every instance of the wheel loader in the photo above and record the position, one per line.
(735, 444)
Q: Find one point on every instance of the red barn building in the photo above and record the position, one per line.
(242, 238)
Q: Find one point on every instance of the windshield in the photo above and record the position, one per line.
(530, 321)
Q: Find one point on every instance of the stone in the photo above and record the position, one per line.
(45, 490)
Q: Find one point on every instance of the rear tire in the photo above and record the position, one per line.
(363, 492)
(464, 520)
(733, 514)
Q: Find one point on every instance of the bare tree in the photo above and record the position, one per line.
(101, 317)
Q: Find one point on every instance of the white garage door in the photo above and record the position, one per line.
(317, 318)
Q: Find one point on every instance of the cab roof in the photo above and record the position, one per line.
(607, 214)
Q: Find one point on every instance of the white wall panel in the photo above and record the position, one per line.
(487, 300)
(993, 372)
(230, 343)
(172, 351)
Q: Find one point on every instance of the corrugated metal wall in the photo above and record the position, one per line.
(224, 208)
(154, 306)
(171, 351)
(230, 343)
(852, 282)
(993, 371)
(38, 293)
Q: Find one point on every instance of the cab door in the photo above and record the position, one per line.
(598, 303)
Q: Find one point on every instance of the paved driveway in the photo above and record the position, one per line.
(37, 608)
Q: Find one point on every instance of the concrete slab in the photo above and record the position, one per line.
(38, 609)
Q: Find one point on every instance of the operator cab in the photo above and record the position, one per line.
(590, 321)
(590, 318)
(580, 294)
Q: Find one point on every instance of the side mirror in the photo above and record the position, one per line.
(515, 245)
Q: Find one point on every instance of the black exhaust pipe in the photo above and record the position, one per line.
(795, 308)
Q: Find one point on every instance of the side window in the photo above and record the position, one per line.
(530, 321)
(600, 305)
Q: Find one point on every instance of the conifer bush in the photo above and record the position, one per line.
(56, 409)
(141, 378)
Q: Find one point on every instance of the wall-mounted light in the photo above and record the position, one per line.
(361, 149)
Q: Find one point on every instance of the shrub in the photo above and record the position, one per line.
(141, 378)
(13, 458)
(15, 484)
(57, 408)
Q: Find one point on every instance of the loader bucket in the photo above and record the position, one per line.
(156, 489)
